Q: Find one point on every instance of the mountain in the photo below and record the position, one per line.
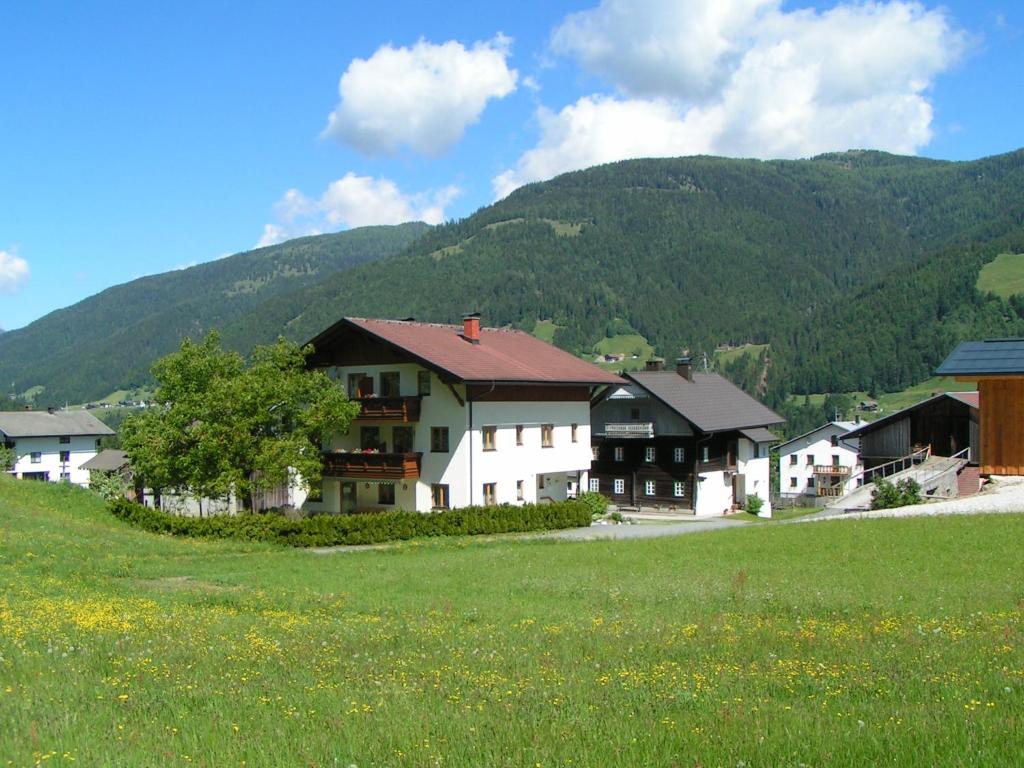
(109, 340)
(857, 268)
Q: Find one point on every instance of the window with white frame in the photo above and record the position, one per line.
(595, 485)
(678, 489)
(37, 457)
(620, 453)
(650, 453)
(648, 488)
(679, 455)
(595, 452)
(705, 454)
(519, 490)
(620, 485)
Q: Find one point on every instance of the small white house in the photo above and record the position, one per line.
(820, 463)
(52, 445)
(453, 416)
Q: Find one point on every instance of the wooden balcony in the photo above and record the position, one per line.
(832, 469)
(835, 491)
(403, 409)
(372, 466)
(634, 429)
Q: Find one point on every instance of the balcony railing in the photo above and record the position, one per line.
(389, 408)
(372, 466)
(638, 429)
(831, 469)
(830, 490)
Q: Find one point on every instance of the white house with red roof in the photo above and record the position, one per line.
(454, 416)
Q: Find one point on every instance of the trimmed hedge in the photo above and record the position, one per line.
(369, 528)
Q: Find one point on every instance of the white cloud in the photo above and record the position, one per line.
(423, 97)
(743, 78)
(13, 272)
(353, 201)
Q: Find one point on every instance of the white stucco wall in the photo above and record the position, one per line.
(818, 446)
(81, 448)
(466, 467)
(753, 463)
(714, 493)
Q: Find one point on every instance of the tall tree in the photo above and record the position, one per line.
(221, 425)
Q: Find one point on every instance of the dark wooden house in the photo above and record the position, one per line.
(680, 439)
(997, 365)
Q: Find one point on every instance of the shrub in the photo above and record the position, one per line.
(595, 502)
(754, 504)
(370, 528)
(887, 496)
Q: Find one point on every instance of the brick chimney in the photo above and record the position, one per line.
(471, 327)
(655, 364)
(684, 368)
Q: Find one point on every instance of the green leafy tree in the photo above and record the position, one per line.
(109, 485)
(221, 425)
(7, 458)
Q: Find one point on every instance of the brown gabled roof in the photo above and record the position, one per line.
(709, 402)
(503, 354)
(971, 398)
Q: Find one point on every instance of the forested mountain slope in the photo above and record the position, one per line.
(110, 340)
(858, 268)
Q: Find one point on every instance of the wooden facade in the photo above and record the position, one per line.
(635, 471)
(946, 424)
(1002, 425)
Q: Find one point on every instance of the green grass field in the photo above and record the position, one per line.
(894, 642)
(1003, 276)
(723, 356)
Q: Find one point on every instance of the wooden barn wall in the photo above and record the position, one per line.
(886, 443)
(1002, 426)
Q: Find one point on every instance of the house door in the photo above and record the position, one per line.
(739, 490)
(348, 498)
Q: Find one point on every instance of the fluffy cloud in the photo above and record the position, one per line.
(743, 78)
(13, 272)
(353, 201)
(422, 97)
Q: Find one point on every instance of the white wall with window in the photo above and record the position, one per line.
(50, 458)
(522, 451)
(822, 446)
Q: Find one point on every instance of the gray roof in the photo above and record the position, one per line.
(846, 426)
(709, 402)
(44, 424)
(760, 435)
(108, 460)
(991, 357)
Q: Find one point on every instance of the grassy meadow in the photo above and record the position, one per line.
(889, 642)
(1003, 276)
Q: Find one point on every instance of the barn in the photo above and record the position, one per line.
(997, 365)
(946, 423)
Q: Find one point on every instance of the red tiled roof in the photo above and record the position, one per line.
(971, 398)
(502, 354)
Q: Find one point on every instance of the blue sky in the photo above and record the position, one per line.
(136, 138)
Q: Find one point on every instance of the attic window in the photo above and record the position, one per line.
(65, 439)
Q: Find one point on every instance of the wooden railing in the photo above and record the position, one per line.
(831, 469)
(372, 466)
(389, 408)
(629, 429)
